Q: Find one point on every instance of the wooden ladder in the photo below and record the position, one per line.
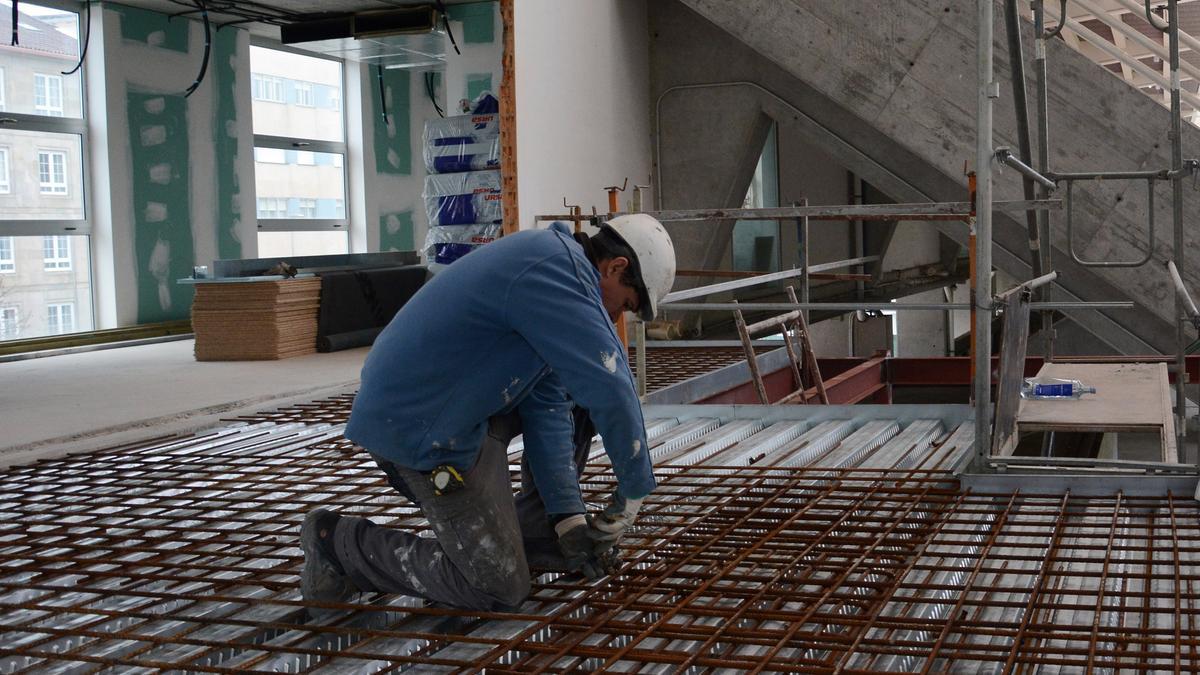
(804, 369)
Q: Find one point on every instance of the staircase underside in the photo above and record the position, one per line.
(890, 94)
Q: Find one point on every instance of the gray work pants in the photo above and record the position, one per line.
(485, 541)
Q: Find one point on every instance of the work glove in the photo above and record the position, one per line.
(612, 522)
(577, 540)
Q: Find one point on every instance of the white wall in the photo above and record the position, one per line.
(115, 67)
(583, 102)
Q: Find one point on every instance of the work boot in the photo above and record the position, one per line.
(323, 579)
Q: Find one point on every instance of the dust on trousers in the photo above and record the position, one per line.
(486, 540)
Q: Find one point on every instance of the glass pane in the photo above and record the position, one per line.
(288, 244)
(295, 96)
(299, 184)
(31, 79)
(45, 286)
(756, 242)
(41, 176)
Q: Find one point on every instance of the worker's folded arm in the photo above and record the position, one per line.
(548, 429)
(555, 306)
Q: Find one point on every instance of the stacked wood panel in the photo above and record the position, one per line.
(258, 320)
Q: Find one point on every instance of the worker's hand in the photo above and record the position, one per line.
(611, 523)
(577, 539)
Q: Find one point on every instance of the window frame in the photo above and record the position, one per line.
(5, 170)
(48, 110)
(293, 224)
(59, 329)
(3, 89)
(309, 96)
(272, 88)
(8, 264)
(51, 186)
(16, 322)
(59, 243)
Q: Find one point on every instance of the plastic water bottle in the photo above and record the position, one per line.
(1053, 388)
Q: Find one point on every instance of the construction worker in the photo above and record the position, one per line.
(516, 338)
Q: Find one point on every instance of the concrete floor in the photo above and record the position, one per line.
(76, 402)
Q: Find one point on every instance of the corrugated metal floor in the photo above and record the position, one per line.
(762, 549)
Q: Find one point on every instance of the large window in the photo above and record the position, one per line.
(299, 153)
(45, 257)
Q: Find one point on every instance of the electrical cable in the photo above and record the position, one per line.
(446, 23)
(1152, 20)
(207, 49)
(87, 34)
(1062, 22)
(16, 18)
(430, 91)
(382, 95)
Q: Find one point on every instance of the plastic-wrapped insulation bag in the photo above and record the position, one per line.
(462, 155)
(463, 143)
(467, 198)
(446, 243)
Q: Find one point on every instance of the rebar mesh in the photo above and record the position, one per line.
(181, 554)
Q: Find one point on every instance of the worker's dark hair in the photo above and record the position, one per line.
(606, 245)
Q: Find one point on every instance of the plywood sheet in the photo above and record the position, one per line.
(1129, 397)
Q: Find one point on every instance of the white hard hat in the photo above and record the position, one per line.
(655, 257)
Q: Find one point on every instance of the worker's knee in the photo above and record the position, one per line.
(515, 594)
(499, 593)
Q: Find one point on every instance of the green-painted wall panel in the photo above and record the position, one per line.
(479, 21)
(154, 29)
(225, 137)
(396, 231)
(162, 226)
(478, 83)
(393, 140)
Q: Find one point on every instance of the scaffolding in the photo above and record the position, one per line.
(1039, 184)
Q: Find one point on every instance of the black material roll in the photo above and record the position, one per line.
(360, 303)
(340, 341)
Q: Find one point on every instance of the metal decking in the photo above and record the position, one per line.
(799, 539)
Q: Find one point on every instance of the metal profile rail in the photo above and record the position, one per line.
(918, 211)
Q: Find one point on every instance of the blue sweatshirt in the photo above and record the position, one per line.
(517, 324)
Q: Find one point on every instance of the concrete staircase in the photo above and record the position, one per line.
(888, 90)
